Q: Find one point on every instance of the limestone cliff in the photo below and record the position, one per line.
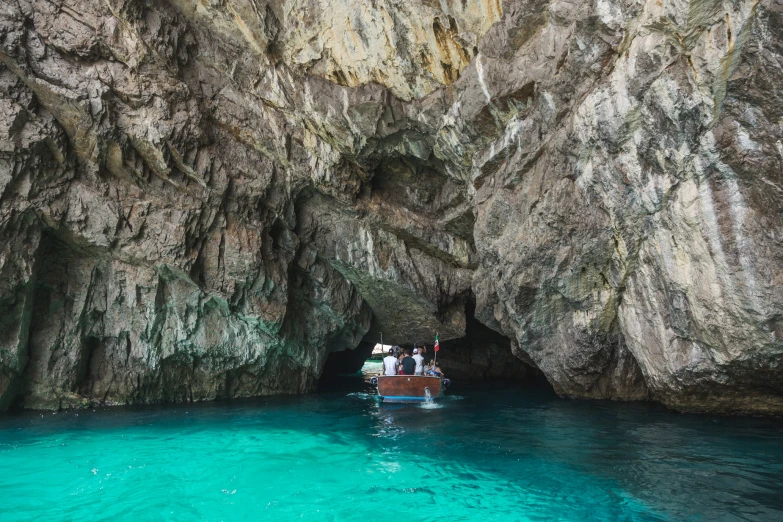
(203, 199)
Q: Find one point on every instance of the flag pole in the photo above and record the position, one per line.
(436, 351)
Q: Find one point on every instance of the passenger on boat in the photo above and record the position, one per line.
(400, 357)
(433, 369)
(408, 364)
(419, 362)
(390, 362)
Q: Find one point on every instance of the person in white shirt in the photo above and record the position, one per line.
(419, 362)
(390, 363)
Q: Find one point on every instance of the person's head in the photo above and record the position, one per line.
(415, 351)
(423, 350)
(391, 350)
(407, 352)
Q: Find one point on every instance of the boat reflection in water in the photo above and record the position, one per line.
(409, 388)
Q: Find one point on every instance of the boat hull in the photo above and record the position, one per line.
(408, 388)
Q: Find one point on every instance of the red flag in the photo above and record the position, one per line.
(437, 344)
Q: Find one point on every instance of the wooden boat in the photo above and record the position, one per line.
(409, 388)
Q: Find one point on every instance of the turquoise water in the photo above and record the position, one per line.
(482, 454)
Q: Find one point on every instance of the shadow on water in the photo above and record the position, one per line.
(497, 451)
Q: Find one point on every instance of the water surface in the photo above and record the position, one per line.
(501, 453)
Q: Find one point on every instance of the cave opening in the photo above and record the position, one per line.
(483, 356)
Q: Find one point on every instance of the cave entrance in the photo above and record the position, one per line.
(346, 369)
(349, 362)
(483, 355)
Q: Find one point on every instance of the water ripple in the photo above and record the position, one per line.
(483, 454)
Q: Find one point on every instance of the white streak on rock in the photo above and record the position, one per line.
(480, 73)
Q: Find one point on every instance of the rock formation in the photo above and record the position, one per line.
(204, 199)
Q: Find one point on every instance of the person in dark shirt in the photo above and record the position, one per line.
(408, 364)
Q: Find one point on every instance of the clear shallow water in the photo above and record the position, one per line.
(482, 454)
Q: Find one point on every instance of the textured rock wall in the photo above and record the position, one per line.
(204, 199)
